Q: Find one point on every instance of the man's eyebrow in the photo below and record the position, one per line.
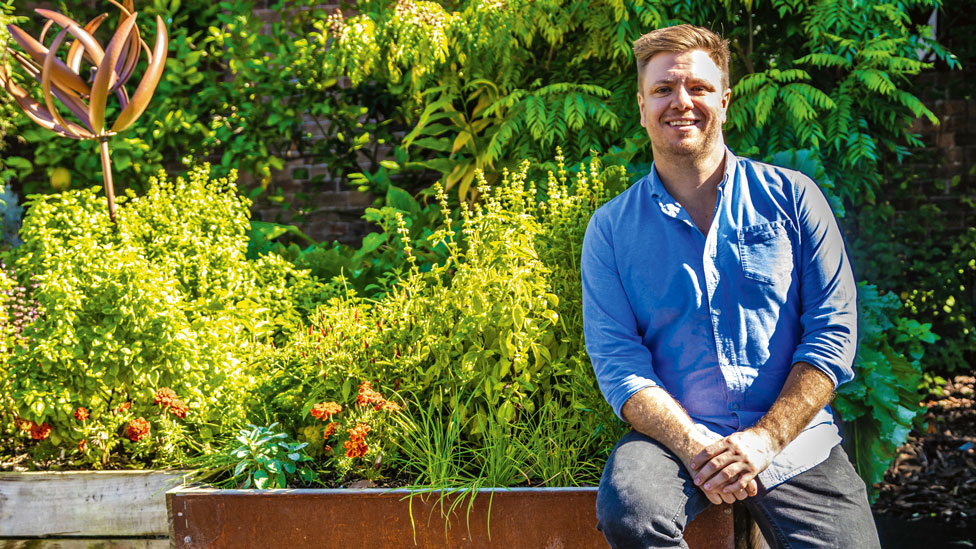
(690, 80)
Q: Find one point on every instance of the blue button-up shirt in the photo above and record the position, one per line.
(718, 320)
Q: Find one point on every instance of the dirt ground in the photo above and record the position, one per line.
(934, 474)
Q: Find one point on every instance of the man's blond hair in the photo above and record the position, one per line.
(681, 39)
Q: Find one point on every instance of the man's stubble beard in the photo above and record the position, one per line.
(699, 149)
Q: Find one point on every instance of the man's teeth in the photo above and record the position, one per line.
(682, 123)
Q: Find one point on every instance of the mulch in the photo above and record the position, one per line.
(934, 473)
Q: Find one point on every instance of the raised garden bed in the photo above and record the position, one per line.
(82, 508)
(519, 517)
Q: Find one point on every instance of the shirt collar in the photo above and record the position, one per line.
(658, 189)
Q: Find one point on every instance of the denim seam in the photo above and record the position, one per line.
(677, 510)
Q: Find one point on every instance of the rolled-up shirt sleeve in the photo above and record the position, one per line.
(622, 363)
(828, 292)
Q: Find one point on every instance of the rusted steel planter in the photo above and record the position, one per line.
(519, 518)
(86, 505)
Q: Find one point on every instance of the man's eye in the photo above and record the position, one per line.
(662, 90)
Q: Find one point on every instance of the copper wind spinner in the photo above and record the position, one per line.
(111, 66)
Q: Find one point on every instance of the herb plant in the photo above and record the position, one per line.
(268, 458)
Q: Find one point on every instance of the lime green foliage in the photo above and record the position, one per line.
(493, 333)
(880, 406)
(166, 299)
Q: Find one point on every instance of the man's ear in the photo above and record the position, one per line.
(726, 98)
(640, 105)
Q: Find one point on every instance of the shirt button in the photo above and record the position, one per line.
(734, 407)
(717, 310)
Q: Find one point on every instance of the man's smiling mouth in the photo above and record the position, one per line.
(682, 123)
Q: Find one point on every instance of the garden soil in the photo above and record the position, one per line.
(928, 495)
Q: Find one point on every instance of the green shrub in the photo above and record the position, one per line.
(903, 245)
(166, 298)
(492, 333)
(882, 404)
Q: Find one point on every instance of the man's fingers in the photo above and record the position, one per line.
(741, 495)
(713, 466)
(752, 488)
(708, 453)
(714, 498)
(739, 483)
(725, 477)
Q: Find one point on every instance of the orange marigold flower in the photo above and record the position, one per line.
(124, 407)
(367, 396)
(82, 445)
(359, 431)
(40, 432)
(165, 396)
(81, 414)
(355, 448)
(137, 430)
(325, 410)
(23, 424)
(330, 429)
(178, 408)
(390, 406)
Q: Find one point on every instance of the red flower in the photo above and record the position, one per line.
(359, 431)
(137, 430)
(40, 432)
(368, 396)
(178, 408)
(355, 448)
(390, 406)
(23, 424)
(82, 445)
(81, 414)
(165, 396)
(330, 429)
(356, 445)
(325, 410)
(124, 407)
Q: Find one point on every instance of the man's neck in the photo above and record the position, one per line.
(693, 182)
(691, 179)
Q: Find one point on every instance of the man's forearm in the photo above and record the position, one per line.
(657, 414)
(733, 462)
(806, 391)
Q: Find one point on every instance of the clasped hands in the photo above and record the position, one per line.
(726, 469)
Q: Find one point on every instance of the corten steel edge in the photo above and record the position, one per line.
(550, 518)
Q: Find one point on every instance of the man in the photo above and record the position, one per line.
(719, 314)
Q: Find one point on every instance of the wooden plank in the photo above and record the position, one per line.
(87, 543)
(563, 518)
(85, 503)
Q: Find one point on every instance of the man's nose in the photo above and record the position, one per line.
(681, 99)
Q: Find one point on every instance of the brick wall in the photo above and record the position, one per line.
(945, 168)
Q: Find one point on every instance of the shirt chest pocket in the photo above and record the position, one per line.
(766, 252)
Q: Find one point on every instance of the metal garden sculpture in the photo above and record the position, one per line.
(111, 68)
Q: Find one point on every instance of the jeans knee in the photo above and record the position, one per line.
(636, 522)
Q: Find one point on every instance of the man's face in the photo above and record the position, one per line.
(683, 104)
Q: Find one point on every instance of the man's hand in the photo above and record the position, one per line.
(728, 467)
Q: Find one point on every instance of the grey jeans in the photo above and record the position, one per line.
(647, 497)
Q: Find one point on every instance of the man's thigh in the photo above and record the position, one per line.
(646, 496)
(826, 506)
